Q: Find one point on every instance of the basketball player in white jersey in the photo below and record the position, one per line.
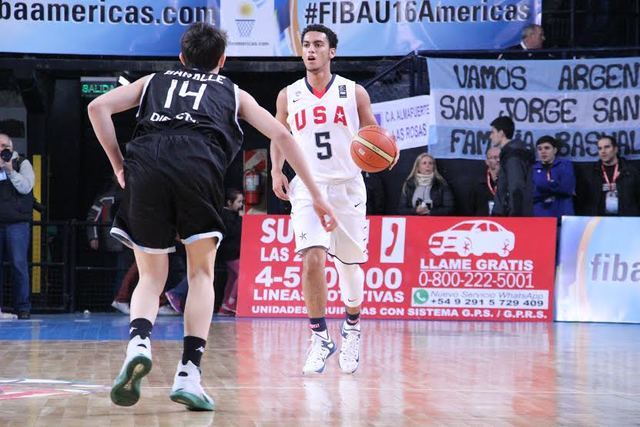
(324, 111)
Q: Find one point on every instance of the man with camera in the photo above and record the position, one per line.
(16, 205)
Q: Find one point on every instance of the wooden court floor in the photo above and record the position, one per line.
(56, 371)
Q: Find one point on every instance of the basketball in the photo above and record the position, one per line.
(373, 149)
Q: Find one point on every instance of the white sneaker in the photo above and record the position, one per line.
(187, 389)
(137, 364)
(122, 307)
(350, 348)
(167, 310)
(319, 351)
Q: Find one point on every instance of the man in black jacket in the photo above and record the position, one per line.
(612, 186)
(16, 205)
(514, 194)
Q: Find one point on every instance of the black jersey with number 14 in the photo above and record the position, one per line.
(193, 101)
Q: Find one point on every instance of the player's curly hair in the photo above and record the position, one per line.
(331, 36)
(202, 46)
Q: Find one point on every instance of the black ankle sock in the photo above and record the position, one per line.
(353, 319)
(318, 324)
(140, 327)
(193, 350)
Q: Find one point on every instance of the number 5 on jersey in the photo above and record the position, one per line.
(324, 146)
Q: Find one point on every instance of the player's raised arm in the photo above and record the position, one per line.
(100, 111)
(280, 183)
(266, 124)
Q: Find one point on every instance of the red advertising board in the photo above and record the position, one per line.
(437, 268)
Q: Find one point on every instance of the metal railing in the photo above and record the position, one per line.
(67, 275)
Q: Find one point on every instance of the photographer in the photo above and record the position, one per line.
(16, 205)
(425, 191)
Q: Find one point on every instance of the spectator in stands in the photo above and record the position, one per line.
(16, 206)
(532, 41)
(484, 189)
(101, 214)
(612, 186)
(425, 191)
(229, 251)
(514, 195)
(554, 182)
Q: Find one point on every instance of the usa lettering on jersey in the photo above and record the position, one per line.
(318, 116)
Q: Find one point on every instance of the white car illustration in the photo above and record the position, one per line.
(475, 237)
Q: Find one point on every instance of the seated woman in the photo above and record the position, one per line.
(554, 182)
(425, 192)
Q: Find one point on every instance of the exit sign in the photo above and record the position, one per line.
(95, 86)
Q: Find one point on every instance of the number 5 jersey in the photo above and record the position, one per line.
(323, 123)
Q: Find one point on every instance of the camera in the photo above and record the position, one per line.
(6, 155)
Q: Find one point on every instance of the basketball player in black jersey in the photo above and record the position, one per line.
(187, 133)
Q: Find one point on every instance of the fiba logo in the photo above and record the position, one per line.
(392, 236)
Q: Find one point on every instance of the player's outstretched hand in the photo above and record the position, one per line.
(280, 185)
(325, 212)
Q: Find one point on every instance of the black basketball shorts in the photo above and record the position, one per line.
(173, 190)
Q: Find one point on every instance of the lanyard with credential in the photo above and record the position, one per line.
(606, 178)
(492, 189)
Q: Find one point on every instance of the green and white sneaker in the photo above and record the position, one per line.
(187, 389)
(137, 364)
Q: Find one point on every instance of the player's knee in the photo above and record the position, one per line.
(200, 276)
(314, 260)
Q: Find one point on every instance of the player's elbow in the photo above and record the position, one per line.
(95, 107)
(98, 107)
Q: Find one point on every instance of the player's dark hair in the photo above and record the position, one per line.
(611, 138)
(504, 124)
(202, 46)
(331, 36)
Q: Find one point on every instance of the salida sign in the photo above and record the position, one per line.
(418, 268)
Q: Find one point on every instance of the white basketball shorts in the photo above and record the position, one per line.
(348, 242)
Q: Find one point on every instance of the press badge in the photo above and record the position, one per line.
(491, 203)
(611, 202)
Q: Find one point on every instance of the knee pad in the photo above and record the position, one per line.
(351, 279)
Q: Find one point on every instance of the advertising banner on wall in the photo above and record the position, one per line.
(576, 101)
(407, 118)
(599, 275)
(419, 268)
(262, 27)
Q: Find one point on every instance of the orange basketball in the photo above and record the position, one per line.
(373, 149)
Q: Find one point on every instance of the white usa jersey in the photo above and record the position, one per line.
(323, 126)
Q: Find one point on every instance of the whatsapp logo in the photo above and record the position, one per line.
(420, 296)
